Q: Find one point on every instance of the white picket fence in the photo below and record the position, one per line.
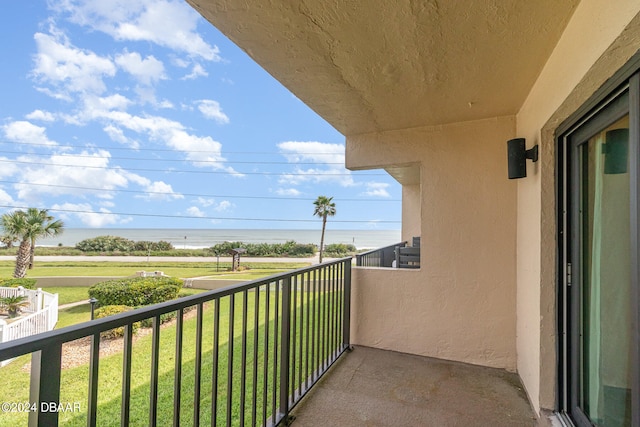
(44, 315)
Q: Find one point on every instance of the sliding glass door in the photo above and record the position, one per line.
(600, 255)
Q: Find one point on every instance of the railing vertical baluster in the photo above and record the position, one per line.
(340, 305)
(177, 379)
(274, 395)
(293, 335)
(315, 326)
(346, 310)
(285, 347)
(153, 383)
(45, 388)
(232, 303)
(126, 376)
(243, 365)
(214, 369)
(306, 352)
(265, 374)
(94, 361)
(324, 317)
(197, 383)
(332, 317)
(256, 326)
(301, 337)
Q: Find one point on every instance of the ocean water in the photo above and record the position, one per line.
(204, 238)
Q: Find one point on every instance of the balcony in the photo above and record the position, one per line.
(264, 352)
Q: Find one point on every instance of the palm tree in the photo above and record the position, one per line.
(324, 208)
(14, 304)
(27, 227)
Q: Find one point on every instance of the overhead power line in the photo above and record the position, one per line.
(78, 211)
(170, 150)
(216, 172)
(74, 187)
(147, 159)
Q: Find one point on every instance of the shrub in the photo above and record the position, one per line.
(110, 310)
(339, 249)
(14, 283)
(144, 245)
(106, 244)
(289, 248)
(137, 291)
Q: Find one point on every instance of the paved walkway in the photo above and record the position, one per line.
(72, 304)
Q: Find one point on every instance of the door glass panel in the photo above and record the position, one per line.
(605, 345)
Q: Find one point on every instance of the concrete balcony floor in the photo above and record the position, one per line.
(370, 387)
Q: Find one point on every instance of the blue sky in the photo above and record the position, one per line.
(139, 113)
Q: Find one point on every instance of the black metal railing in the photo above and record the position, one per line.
(381, 257)
(242, 355)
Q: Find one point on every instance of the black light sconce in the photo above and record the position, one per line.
(616, 151)
(517, 157)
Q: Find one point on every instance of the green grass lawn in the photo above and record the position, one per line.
(74, 381)
(174, 269)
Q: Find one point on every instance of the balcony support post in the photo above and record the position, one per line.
(346, 315)
(45, 389)
(285, 350)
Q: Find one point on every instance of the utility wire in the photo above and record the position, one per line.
(280, 153)
(174, 160)
(191, 171)
(73, 187)
(203, 217)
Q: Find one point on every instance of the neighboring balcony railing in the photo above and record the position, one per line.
(259, 347)
(381, 257)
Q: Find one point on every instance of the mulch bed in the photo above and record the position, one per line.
(77, 353)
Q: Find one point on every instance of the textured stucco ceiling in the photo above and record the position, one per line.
(377, 65)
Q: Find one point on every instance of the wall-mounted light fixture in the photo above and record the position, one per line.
(517, 157)
(616, 151)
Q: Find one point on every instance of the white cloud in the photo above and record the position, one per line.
(211, 110)
(68, 174)
(147, 71)
(197, 71)
(68, 68)
(5, 198)
(287, 192)
(328, 157)
(202, 201)
(162, 191)
(168, 23)
(44, 116)
(224, 205)
(25, 132)
(195, 211)
(377, 189)
(116, 134)
(8, 167)
(89, 216)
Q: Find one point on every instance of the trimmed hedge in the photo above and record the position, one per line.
(110, 310)
(14, 283)
(136, 291)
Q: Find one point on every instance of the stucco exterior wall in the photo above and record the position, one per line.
(598, 40)
(461, 304)
(410, 212)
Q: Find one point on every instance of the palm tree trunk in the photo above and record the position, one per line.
(324, 224)
(22, 259)
(32, 251)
